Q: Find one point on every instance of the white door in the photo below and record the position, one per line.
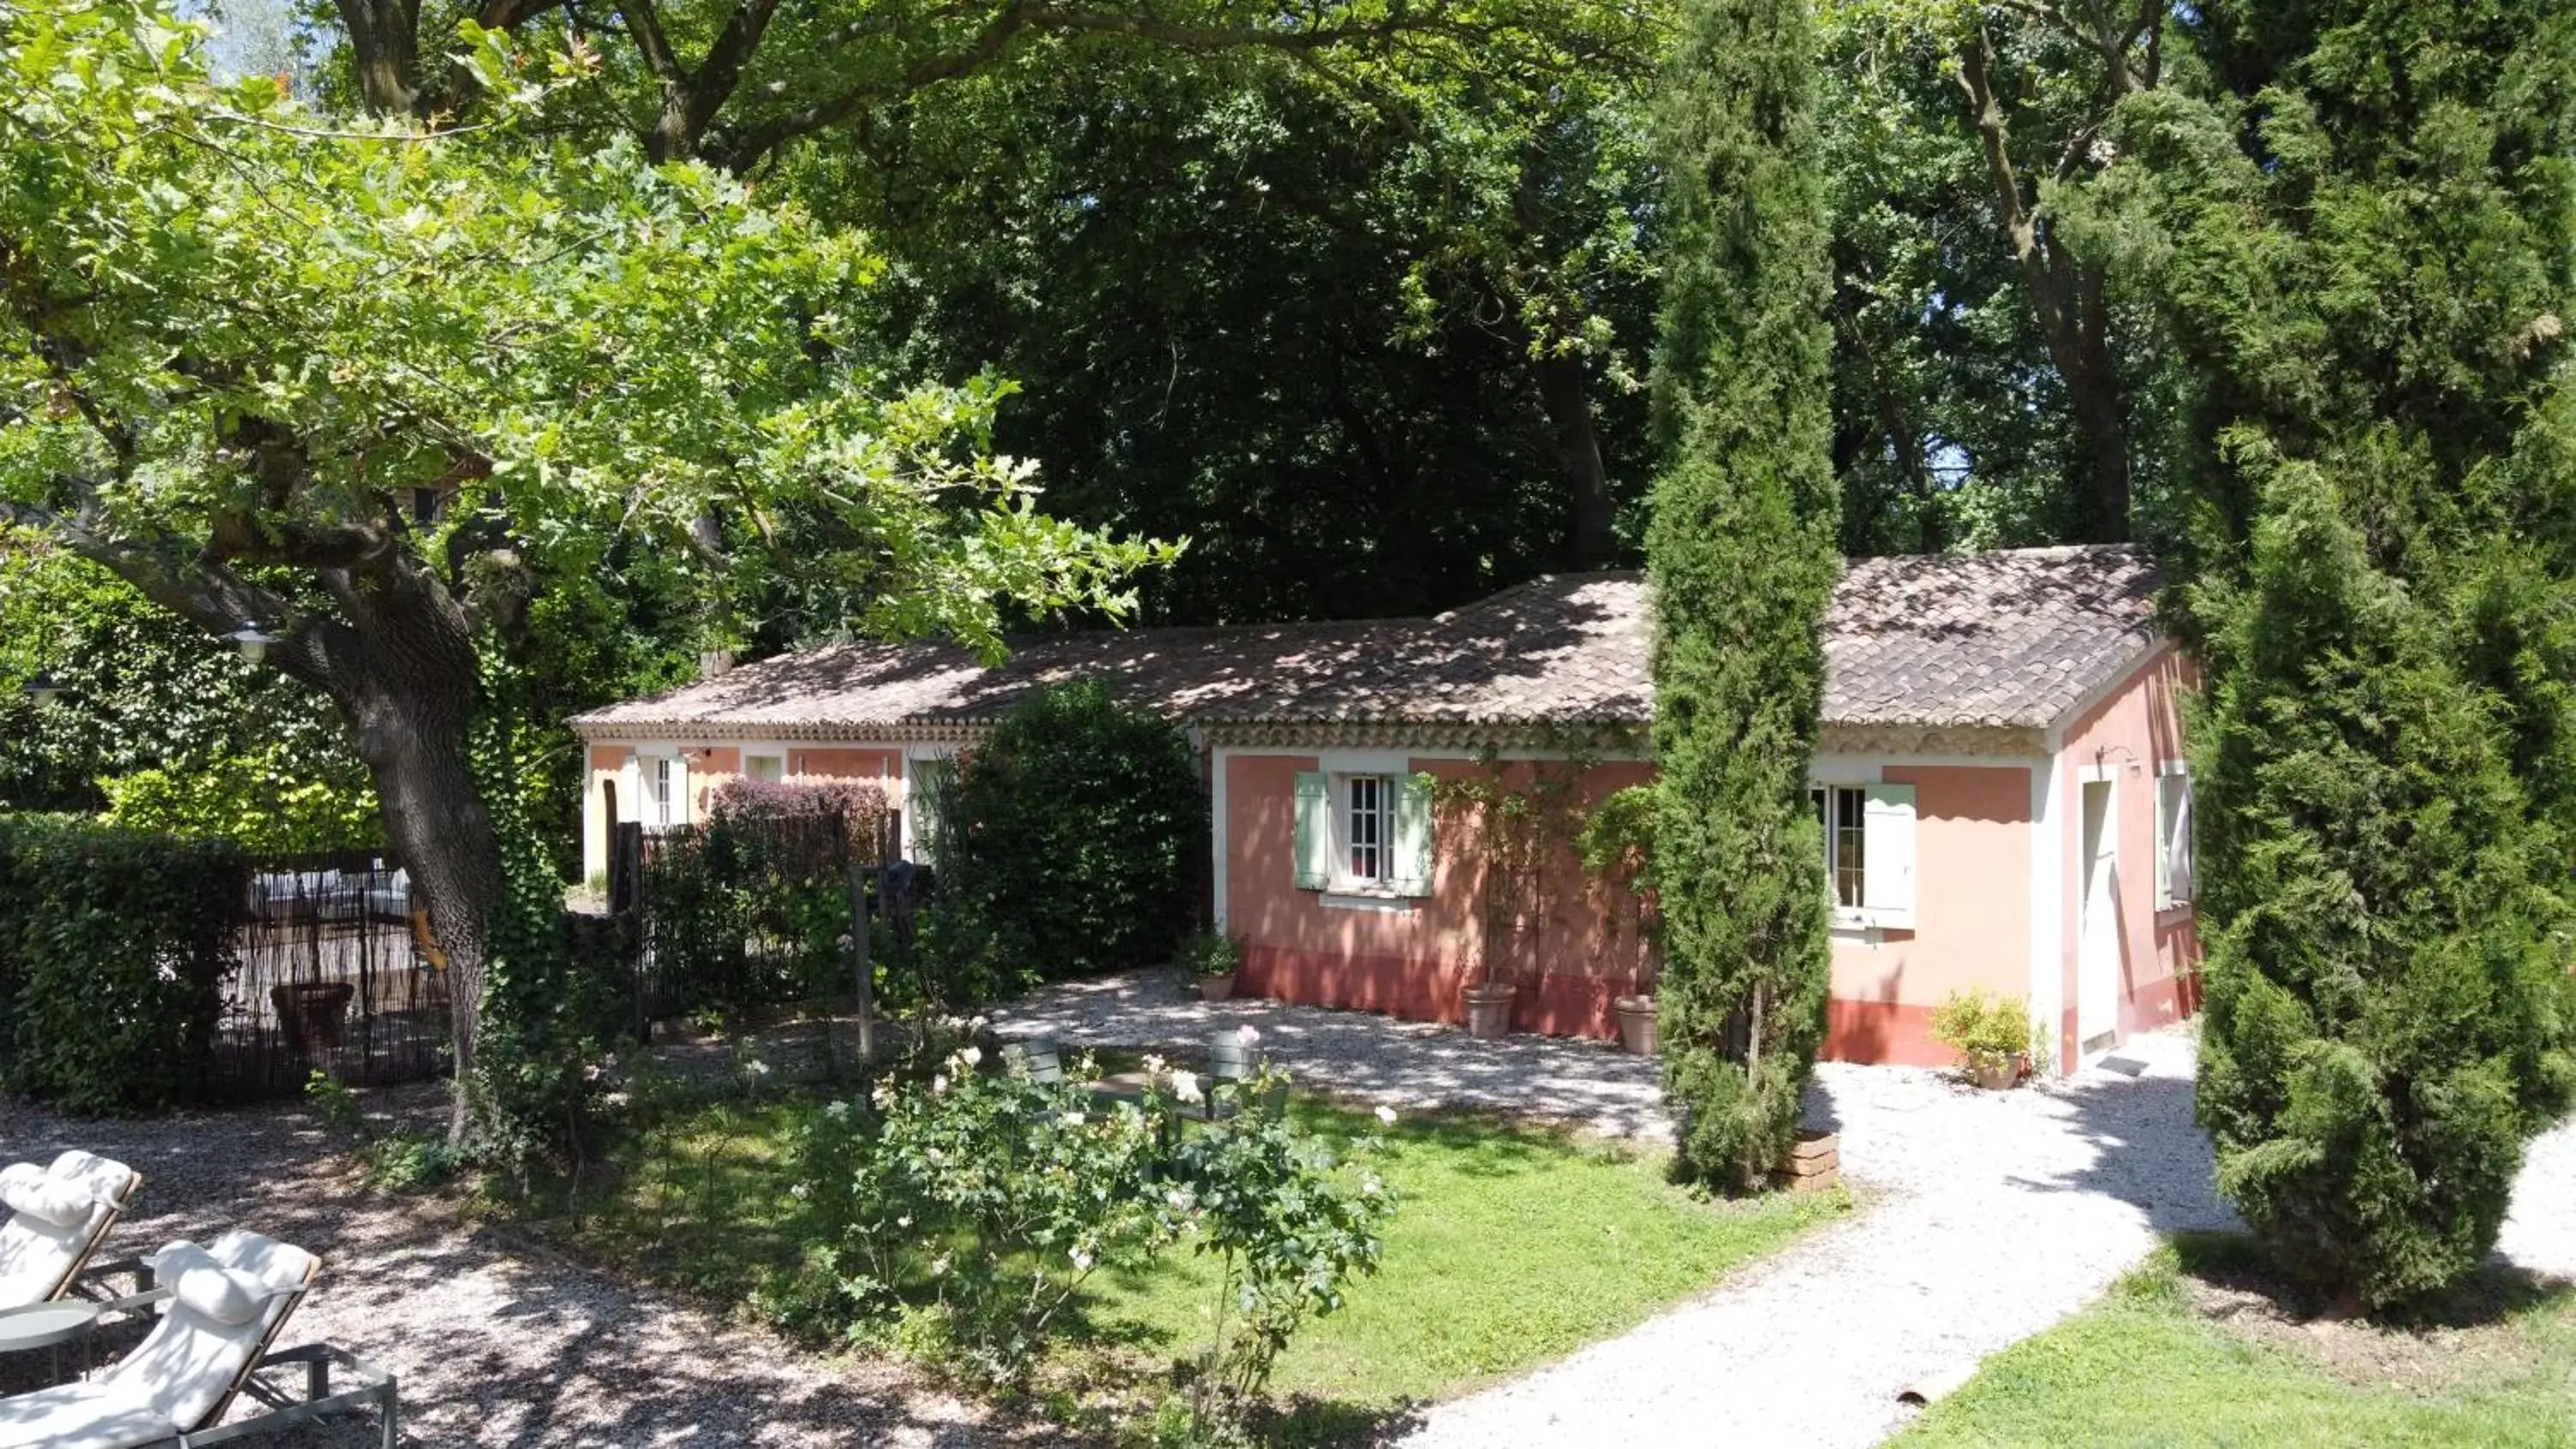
(2097, 959)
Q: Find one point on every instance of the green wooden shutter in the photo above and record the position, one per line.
(1314, 830)
(1887, 856)
(1411, 873)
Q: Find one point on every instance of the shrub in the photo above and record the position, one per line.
(1210, 953)
(260, 801)
(966, 1210)
(1988, 1032)
(1078, 835)
(114, 949)
(865, 805)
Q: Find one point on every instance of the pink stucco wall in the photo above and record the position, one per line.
(1972, 849)
(1413, 960)
(2130, 735)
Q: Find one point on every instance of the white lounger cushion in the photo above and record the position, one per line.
(65, 1209)
(27, 1191)
(183, 1369)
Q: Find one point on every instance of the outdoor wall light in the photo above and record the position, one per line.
(44, 688)
(253, 642)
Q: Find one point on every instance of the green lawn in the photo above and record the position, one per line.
(2181, 1354)
(1513, 1246)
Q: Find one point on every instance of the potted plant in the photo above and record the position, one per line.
(1617, 846)
(313, 1014)
(1996, 1040)
(1489, 1007)
(1212, 958)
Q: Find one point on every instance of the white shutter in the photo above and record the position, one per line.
(680, 790)
(1411, 873)
(1887, 844)
(1314, 842)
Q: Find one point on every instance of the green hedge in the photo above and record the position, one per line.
(1080, 838)
(114, 947)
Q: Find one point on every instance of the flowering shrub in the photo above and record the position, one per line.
(966, 1211)
(865, 804)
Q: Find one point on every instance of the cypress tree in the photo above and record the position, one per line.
(2364, 242)
(1741, 558)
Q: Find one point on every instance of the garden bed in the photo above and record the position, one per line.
(1512, 1246)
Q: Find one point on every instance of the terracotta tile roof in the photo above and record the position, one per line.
(2008, 638)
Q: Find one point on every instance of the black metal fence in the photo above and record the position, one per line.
(333, 978)
(760, 911)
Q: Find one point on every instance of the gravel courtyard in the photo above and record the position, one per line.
(495, 1341)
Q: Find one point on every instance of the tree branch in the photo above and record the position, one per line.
(1021, 17)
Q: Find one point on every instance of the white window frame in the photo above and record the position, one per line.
(764, 752)
(2167, 899)
(916, 844)
(1376, 821)
(1340, 768)
(1834, 792)
(1889, 898)
(660, 813)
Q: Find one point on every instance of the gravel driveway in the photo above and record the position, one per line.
(495, 1341)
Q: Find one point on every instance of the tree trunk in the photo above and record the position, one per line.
(1563, 391)
(414, 740)
(384, 50)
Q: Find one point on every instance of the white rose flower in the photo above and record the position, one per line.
(1081, 1261)
(939, 1266)
(971, 1056)
(939, 1086)
(1386, 1116)
(1153, 1065)
(1185, 1085)
(1179, 1198)
(800, 1192)
(1247, 1034)
(1073, 1119)
(757, 1067)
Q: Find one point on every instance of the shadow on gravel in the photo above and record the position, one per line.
(496, 1342)
(2148, 1151)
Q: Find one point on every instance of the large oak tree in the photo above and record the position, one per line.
(380, 389)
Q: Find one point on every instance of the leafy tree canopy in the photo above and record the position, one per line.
(388, 393)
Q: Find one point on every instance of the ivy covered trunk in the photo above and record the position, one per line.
(1741, 557)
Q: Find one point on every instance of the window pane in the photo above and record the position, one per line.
(1365, 826)
(1851, 835)
(772, 768)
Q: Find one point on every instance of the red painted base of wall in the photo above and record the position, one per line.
(1553, 1003)
(1884, 1033)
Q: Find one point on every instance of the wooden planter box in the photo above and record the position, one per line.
(1815, 1163)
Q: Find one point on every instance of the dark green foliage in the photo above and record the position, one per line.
(2366, 251)
(1077, 840)
(1742, 556)
(114, 947)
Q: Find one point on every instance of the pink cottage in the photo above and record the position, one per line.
(2001, 777)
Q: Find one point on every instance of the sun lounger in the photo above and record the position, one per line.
(58, 1216)
(218, 1311)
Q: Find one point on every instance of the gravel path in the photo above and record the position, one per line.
(495, 1340)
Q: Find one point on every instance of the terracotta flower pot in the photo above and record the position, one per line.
(1637, 1023)
(1489, 1009)
(314, 1014)
(1216, 988)
(1996, 1077)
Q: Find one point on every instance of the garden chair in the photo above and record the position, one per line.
(1232, 1064)
(1039, 1056)
(58, 1216)
(219, 1309)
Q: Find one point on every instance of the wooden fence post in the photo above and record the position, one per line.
(860, 966)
